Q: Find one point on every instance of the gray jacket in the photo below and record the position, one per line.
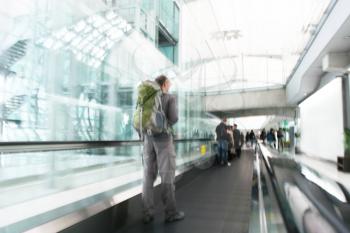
(170, 108)
(237, 138)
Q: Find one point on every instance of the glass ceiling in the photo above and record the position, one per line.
(224, 44)
(91, 38)
(242, 44)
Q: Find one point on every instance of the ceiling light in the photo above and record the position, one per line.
(76, 41)
(123, 24)
(80, 26)
(105, 27)
(102, 43)
(106, 43)
(82, 44)
(88, 48)
(95, 51)
(90, 37)
(116, 21)
(95, 33)
(68, 37)
(103, 57)
(110, 15)
(97, 21)
(100, 53)
(109, 44)
(114, 33)
(87, 29)
(128, 28)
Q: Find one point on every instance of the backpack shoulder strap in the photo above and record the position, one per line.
(160, 102)
(149, 96)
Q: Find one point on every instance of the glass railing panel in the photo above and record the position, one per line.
(26, 176)
(95, 173)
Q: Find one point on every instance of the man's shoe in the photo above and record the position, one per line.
(178, 216)
(147, 219)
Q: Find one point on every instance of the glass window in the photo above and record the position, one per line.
(75, 77)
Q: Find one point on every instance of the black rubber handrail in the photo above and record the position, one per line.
(337, 224)
(18, 147)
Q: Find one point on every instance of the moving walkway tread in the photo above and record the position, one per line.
(217, 200)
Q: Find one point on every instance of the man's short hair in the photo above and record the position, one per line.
(235, 125)
(161, 79)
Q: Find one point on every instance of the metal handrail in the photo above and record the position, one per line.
(18, 147)
(335, 222)
(262, 211)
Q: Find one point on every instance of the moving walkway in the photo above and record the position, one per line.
(95, 187)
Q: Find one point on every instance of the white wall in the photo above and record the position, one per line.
(301, 83)
(321, 122)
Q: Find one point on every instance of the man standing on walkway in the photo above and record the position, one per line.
(222, 138)
(252, 137)
(280, 137)
(159, 154)
(237, 140)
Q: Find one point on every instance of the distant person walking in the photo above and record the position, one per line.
(231, 150)
(242, 139)
(237, 140)
(280, 136)
(252, 137)
(263, 136)
(247, 139)
(271, 140)
(222, 138)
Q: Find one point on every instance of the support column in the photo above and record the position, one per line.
(344, 162)
(346, 100)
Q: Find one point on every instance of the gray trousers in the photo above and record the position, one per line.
(159, 155)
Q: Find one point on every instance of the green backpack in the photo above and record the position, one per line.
(149, 109)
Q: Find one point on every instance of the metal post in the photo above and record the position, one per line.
(346, 104)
